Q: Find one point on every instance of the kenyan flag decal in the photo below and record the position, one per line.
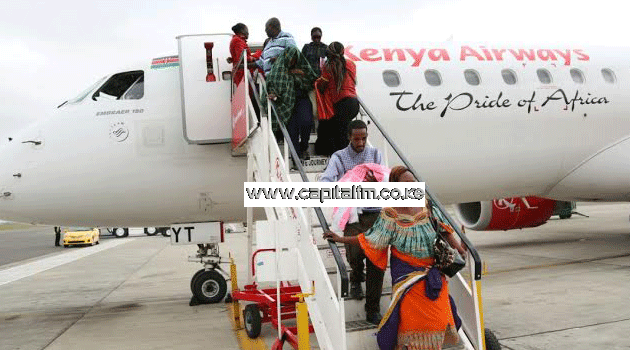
(165, 62)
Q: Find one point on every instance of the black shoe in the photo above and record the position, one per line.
(305, 155)
(356, 291)
(373, 317)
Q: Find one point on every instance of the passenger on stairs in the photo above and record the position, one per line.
(278, 41)
(338, 84)
(420, 316)
(315, 50)
(357, 152)
(288, 84)
(237, 45)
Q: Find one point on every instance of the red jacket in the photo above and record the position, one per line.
(237, 45)
(348, 88)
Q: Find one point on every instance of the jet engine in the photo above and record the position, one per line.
(505, 214)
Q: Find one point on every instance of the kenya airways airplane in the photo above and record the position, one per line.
(149, 145)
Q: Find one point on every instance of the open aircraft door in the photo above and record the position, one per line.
(205, 79)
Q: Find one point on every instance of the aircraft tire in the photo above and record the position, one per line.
(252, 320)
(209, 287)
(492, 343)
(166, 231)
(120, 232)
(151, 231)
(194, 278)
(565, 216)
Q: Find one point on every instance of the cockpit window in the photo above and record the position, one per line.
(122, 86)
(136, 91)
(86, 92)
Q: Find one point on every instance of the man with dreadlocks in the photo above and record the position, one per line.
(338, 81)
(288, 84)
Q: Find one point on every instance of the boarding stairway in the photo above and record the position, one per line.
(296, 233)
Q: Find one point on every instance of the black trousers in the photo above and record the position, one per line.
(332, 134)
(300, 124)
(326, 131)
(355, 256)
(57, 235)
(345, 110)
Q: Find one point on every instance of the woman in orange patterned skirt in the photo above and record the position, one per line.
(420, 315)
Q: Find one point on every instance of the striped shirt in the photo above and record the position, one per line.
(274, 48)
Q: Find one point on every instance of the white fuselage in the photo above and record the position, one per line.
(87, 172)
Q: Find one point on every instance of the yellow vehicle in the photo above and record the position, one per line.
(81, 236)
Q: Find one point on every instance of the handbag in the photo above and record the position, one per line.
(447, 259)
(312, 95)
(325, 108)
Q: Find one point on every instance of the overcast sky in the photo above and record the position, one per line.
(52, 50)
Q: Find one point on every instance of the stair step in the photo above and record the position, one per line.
(317, 164)
(360, 325)
(361, 339)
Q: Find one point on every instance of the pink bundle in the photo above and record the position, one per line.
(344, 215)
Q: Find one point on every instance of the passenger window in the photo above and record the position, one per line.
(509, 77)
(472, 77)
(391, 78)
(609, 76)
(544, 76)
(432, 77)
(577, 76)
(127, 85)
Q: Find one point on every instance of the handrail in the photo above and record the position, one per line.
(341, 266)
(235, 68)
(252, 84)
(434, 200)
(343, 273)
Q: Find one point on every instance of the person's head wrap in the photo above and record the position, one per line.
(396, 173)
(286, 85)
(337, 63)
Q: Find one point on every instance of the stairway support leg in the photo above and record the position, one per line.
(303, 332)
(236, 307)
(250, 217)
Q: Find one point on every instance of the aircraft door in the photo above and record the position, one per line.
(205, 91)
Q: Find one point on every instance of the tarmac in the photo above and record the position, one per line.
(563, 285)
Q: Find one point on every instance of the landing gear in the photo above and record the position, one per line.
(151, 231)
(194, 278)
(120, 232)
(492, 343)
(208, 285)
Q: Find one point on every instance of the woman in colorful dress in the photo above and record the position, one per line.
(420, 315)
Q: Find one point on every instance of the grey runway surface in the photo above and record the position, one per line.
(563, 285)
(26, 243)
(131, 293)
